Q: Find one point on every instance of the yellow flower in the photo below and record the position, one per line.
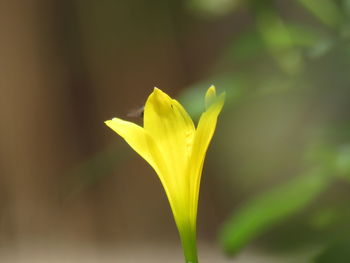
(175, 149)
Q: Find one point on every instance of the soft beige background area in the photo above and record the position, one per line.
(141, 253)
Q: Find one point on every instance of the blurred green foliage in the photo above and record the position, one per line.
(326, 11)
(285, 56)
(269, 208)
(337, 252)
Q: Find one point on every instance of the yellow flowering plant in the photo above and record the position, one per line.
(175, 149)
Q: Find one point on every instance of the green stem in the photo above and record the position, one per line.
(188, 241)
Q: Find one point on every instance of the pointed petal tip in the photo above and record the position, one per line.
(111, 121)
(157, 92)
(158, 99)
(212, 88)
(210, 96)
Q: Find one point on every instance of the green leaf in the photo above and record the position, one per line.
(278, 41)
(326, 11)
(250, 44)
(192, 97)
(270, 208)
(338, 252)
(342, 161)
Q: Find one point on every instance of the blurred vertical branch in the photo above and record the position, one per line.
(31, 144)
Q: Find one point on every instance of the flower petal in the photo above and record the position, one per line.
(143, 143)
(137, 138)
(210, 97)
(202, 138)
(172, 129)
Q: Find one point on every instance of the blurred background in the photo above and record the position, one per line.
(276, 181)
